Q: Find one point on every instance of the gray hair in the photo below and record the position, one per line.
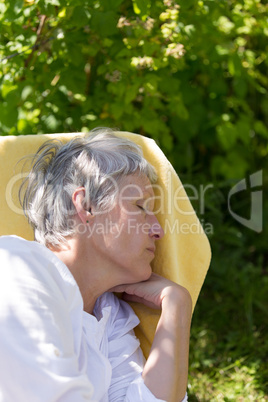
(98, 162)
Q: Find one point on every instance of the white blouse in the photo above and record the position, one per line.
(51, 350)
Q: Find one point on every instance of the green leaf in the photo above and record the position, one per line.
(9, 115)
(232, 166)
(116, 110)
(131, 93)
(111, 4)
(178, 108)
(240, 87)
(80, 16)
(51, 123)
(105, 23)
(53, 2)
(243, 129)
(227, 135)
(234, 65)
(27, 90)
(17, 6)
(7, 87)
(261, 129)
(141, 7)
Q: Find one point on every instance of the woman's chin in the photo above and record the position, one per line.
(147, 273)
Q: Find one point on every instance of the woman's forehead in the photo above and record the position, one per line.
(136, 186)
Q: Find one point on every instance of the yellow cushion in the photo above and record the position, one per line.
(183, 254)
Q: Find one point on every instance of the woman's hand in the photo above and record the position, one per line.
(153, 291)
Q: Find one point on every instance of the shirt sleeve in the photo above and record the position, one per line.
(137, 391)
(38, 357)
(126, 358)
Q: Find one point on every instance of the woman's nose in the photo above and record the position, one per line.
(156, 230)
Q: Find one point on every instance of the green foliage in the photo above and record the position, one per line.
(193, 76)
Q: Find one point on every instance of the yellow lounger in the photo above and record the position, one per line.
(183, 254)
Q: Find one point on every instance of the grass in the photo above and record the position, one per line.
(229, 343)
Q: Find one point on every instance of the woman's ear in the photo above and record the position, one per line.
(78, 199)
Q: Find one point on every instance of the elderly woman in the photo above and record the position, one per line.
(64, 335)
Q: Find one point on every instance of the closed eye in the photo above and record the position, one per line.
(143, 209)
